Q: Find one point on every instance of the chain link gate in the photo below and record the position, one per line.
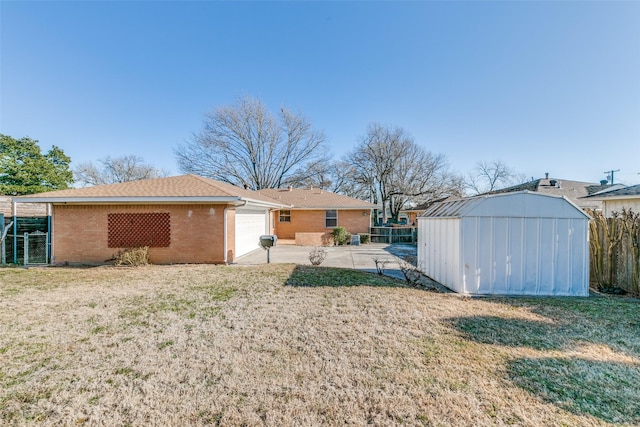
(34, 248)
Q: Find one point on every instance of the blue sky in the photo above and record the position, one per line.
(543, 86)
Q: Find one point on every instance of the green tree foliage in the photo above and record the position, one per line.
(24, 169)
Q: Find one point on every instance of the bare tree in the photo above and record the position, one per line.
(335, 176)
(420, 177)
(493, 175)
(116, 169)
(395, 170)
(245, 144)
(315, 175)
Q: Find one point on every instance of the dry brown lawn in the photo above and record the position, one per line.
(281, 345)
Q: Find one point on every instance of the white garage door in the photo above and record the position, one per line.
(250, 225)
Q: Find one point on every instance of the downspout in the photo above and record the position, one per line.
(50, 235)
(224, 239)
(14, 208)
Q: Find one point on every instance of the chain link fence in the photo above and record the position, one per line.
(33, 248)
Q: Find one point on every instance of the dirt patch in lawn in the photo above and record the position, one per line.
(285, 345)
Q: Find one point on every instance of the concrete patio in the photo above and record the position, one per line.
(361, 257)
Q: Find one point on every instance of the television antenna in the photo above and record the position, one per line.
(610, 174)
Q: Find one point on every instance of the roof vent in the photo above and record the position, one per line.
(546, 175)
(553, 182)
(603, 182)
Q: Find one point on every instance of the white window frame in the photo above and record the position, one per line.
(326, 218)
(280, 215)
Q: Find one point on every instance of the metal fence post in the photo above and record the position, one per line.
(15, 238)
(26, 248)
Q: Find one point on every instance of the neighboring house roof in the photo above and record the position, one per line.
(314, 198)
(632, 192)
(546, 205)
(178, 189)
(23, 209)
(426, 205)
(575, 191)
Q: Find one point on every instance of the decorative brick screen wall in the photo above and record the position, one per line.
(133, 230)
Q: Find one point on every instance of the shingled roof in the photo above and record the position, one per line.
(183, 188)
(313, 198)
(576, 191)
(621, 193)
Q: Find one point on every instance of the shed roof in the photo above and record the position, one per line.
(522, 204)
(314, 198)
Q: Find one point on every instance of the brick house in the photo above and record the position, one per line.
(183, 219)
(312, 214)
(188, 219)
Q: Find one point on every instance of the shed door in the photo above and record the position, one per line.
(250, 225)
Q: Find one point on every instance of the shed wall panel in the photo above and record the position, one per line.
(484, 264)
(531, 246)
(501, 257)
(547, 256)
(563, 256)
(523, 256)
(439, 251)
(516, 261)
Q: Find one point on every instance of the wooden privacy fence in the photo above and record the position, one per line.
(615, 250)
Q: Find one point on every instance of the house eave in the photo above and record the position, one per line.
(608, 198)
(128, 200)
(232, 200)
(322, 208)
(265, 204)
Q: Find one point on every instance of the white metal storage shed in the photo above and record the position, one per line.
(520, 243)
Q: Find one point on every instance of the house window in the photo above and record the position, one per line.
(331, 218)
(135, 230)
(285, 216)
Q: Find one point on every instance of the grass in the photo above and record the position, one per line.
(297, 345)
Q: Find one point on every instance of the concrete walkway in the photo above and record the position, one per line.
(362, 257)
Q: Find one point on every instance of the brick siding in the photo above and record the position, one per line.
(314, 239)
(313, 221)
(80, 233)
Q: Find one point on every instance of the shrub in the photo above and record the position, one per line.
(410, 271)
(340, 235)
(317, 256)
(133, 257)
(364, 238)
(381, 264)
